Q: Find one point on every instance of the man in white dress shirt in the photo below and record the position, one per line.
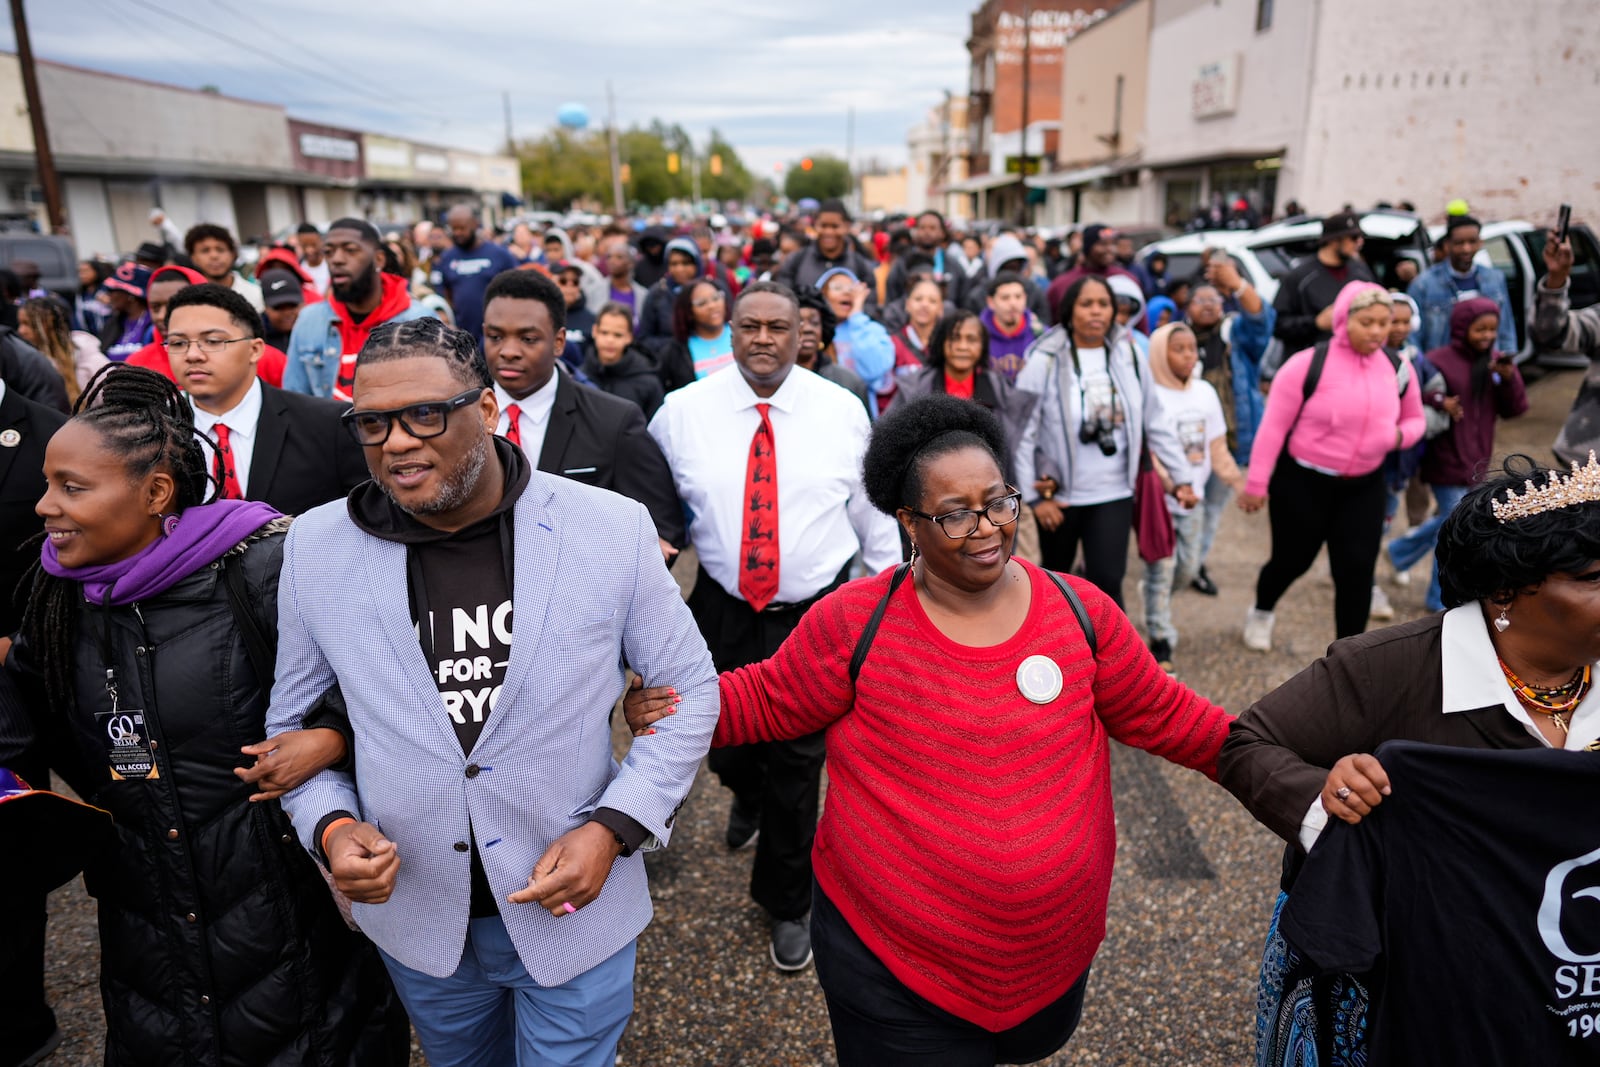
(766, 554)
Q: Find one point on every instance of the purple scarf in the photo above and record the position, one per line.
(202, 534)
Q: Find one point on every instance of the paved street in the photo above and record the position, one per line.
(1195, 876)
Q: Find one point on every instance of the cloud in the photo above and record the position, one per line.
(777, 81)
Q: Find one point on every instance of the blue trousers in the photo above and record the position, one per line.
(1407, 550)
(491, 1014)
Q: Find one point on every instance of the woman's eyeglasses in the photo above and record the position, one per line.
(424, 420)
(964, 523)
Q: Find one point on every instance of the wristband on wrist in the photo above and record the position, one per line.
(330, 828)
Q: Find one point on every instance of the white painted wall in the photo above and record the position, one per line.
(87, 207)
(1274, 75)
(1457, 98)
(281, 209)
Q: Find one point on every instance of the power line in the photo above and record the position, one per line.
(255, 49)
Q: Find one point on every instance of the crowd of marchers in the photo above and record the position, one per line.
(330, 573)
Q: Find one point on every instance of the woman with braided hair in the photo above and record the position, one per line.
(145, 663)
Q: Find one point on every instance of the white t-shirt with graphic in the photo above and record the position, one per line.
(1194, 414)
(1096, 477)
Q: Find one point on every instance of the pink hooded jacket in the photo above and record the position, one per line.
(1348, 426)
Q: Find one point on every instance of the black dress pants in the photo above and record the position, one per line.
(878, 1022)
(782, 780)
(1308, 509)
(25, 1016)
(1103, 530)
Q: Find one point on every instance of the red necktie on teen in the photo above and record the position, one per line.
(758, 543)
(223, 467)
(513, 431)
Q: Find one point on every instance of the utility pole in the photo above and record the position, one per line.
(41, 135)
(850, 157)
(617, 205)
(511, 144)
(1027, 78)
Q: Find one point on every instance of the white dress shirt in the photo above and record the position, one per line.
(533, 415)
(820, 435)
(241, 422)
(1473, 680)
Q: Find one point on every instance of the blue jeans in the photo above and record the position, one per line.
(1163, 577)
(1407, 550)
(1218, 494)
(491, 1014)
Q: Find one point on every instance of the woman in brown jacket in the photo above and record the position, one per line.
(1509, 664)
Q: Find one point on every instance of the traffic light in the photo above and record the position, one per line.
(626, 173)
(716, 165)
(805, 164)
(672, 162)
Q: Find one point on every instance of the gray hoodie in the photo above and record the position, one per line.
(596, 289)
(1048, 445)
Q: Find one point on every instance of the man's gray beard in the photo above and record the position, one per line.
(458, 486)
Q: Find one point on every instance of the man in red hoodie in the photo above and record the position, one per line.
(280, 258)
(166, 283)
(327, 335)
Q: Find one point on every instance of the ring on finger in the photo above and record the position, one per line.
(1342, 793)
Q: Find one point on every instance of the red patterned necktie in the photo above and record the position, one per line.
(513, 431)
(227, 477)
(758, 544)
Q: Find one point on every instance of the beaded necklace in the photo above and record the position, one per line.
(1555, 701)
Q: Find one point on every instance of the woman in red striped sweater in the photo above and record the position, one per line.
(964, 857)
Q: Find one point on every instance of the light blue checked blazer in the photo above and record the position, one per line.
(590, 588)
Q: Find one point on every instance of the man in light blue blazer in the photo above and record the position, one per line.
(489, 841)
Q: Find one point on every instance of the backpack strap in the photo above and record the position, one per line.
(1319, 359)
(1075, 602)
(256, 646)
(864, 642)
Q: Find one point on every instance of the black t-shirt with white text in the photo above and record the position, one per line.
(1472, 897)
(461, 601)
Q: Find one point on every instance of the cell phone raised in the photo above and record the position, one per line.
(1563, 223)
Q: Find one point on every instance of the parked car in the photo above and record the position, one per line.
(1183, 257)
(56, 257)
(1390, 236)
(1516, 250)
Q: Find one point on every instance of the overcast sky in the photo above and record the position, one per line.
(777, 79)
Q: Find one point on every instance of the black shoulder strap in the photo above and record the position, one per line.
(1076, 603)
(255, 642)
(864, 642)
(1319, 357)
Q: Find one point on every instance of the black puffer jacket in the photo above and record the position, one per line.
(220, 942)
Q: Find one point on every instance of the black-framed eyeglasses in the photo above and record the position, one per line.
(427, 419)
(964, 523)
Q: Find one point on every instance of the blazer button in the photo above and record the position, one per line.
(192, 917)
(287, 839)
(205, 999)
(462, 846)
(472, 770)
(172, 835)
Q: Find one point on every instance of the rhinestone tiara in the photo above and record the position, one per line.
(1582, 486)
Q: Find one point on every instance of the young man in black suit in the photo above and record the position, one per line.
(286, 449)
(571, 429)
(27, 1025)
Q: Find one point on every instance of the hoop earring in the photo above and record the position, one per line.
(1503, 623)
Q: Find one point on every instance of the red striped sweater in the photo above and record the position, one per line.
(968, 835)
